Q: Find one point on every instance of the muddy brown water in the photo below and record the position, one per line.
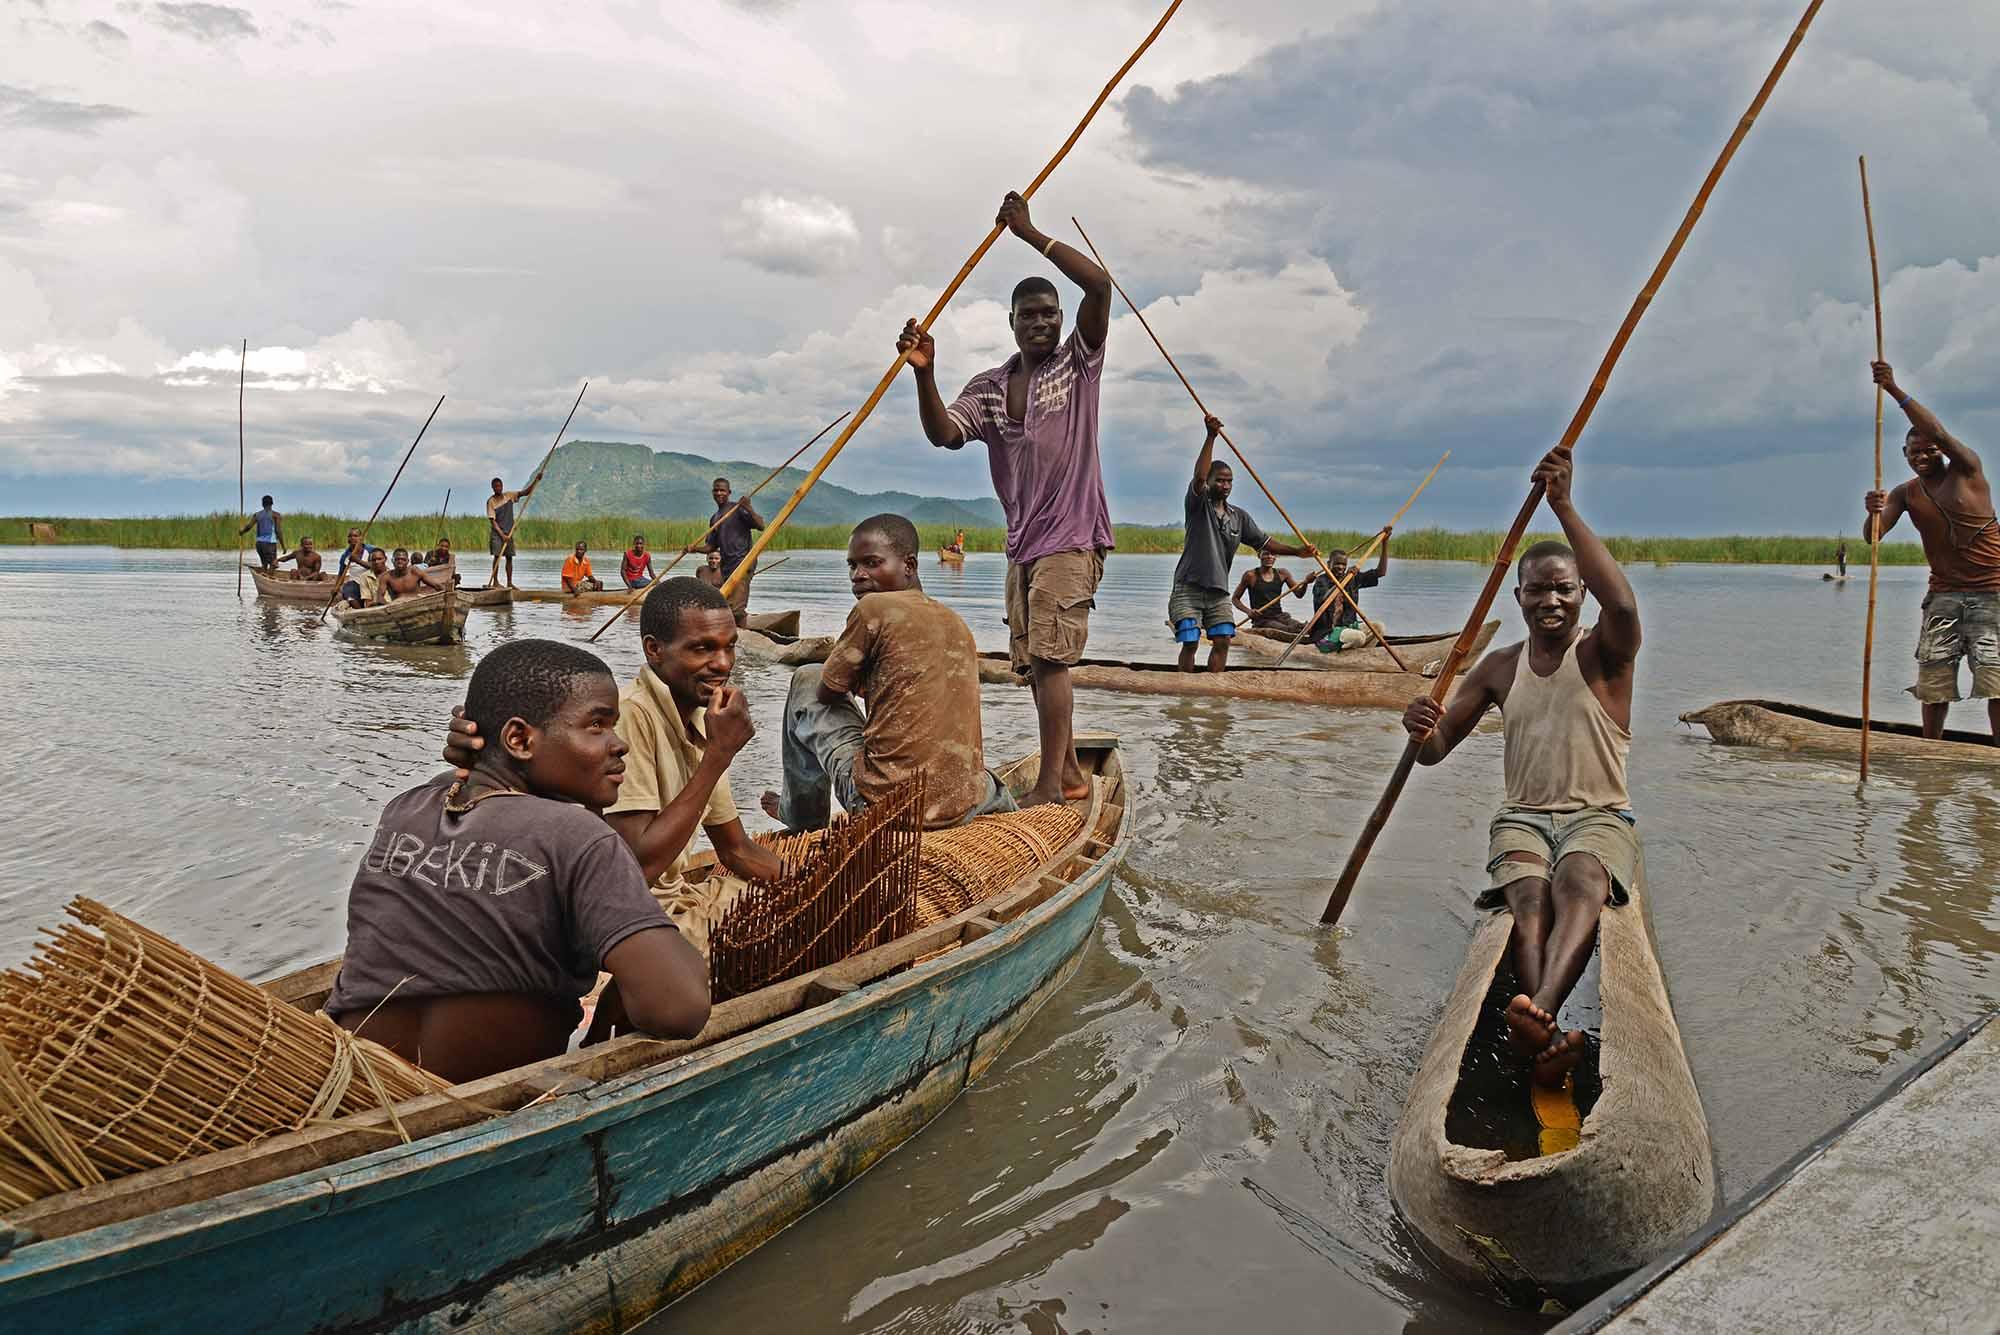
(1193, 1135)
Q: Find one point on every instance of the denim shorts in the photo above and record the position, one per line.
(1958, 624)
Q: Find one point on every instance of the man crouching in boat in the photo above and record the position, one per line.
(486, 905)
(1566, 698)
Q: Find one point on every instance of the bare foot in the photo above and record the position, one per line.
(1530, 1029)
(1554, 1061)
(1036, 797)
(769, 801)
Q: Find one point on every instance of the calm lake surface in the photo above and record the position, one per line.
(1194, 1134)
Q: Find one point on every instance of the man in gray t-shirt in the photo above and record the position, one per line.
(1215, 529)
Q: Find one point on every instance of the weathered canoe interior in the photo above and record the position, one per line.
(281, 1156)
(1491, 1106)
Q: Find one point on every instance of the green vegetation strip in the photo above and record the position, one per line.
(606, 535)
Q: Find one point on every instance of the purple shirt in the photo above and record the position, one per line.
(1045, 467)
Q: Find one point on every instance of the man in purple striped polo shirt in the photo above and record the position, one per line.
(1038, 417)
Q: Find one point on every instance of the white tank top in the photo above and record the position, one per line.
(1564, 752)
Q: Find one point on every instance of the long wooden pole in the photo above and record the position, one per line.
(522, 509)
(337, 581)
(242, 501)
(1248, 467)
(944, 298)
(721, 519)
(1874, 521)
(1463, 646)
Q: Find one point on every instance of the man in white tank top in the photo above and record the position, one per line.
(1562, 844)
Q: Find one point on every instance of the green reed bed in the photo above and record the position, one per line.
(608, 534)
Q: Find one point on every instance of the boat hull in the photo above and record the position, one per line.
(430, 618)
(946, 556)
(1424, 653)
(1776, 726)
(1569, 1224)
(285, 590)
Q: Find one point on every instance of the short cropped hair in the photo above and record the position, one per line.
(267, 502)
(1032, 287)
(898, 532)
(1541, 550)
(721, 480)
(401, 551)
(660, 614)
(529, 680)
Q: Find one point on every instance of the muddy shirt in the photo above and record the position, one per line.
(914, 663)
(518, 894)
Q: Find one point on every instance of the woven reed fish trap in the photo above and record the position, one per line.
(849, 888)
(121, 1051)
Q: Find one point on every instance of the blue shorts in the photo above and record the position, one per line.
(1188, 631)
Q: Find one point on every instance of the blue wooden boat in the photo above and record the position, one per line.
(615, 1178)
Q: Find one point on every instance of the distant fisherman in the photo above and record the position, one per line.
(1562, 845)
(1260, 590)
(270, 527)
(1340, 626)
(1951, 503)
(500, 524)
(636, 569)
(577, 576)
(306, 559)
(733, 523)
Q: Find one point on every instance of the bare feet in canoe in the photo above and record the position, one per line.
(1554, 1061)
(1530, 1029)
(1035, 797)
(769, 801)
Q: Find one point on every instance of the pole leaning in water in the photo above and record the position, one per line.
(1874, 521)
(944, 299)
(384, 501)
(741, 501)
(1463, 646)
(1248, 467)
(243, 365)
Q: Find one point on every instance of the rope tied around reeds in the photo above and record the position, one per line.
(122, 1051)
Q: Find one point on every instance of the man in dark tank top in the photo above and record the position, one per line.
(1951, 503)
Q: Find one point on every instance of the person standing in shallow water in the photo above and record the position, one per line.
(1037, 415)
(1951, 503)
(1563, 843)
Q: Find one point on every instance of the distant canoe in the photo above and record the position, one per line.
(1562, 1223)
(496, 597)
(44, 533)
(1424, 653)
(1836, 579)
(1353, 690)
(1776, 726)
(950, 557)
(286, 587)
(429, 618)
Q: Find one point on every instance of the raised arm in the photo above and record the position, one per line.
(1382, 560)
(1618, 608)
(1093, 317)
(939, 429)
(1962, 456)
(1203, 460)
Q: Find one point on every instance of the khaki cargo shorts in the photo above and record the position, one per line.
(1551, 836)
(1048, 606)
(1958, 625)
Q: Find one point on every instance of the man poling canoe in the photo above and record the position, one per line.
(1562, 844)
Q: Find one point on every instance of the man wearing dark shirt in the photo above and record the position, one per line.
(734, 522)
(1339, 626)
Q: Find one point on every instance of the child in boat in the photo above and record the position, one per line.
(486, 906)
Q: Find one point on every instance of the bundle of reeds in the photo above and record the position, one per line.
(973, 863)
(120, 1051)
(848, 888)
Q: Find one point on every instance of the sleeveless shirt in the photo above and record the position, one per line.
(1263, 591)
(1563, 751)
(1962, 550)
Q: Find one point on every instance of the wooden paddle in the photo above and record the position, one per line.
(1463, 646)
(242, 501)
(721, 519)
(337, 579)
(1874, 521)
(944, 298)
(522, 508)
(1248, 467)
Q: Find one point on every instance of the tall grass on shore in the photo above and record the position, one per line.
(217, 532)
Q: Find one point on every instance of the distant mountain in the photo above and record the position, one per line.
(594, 477)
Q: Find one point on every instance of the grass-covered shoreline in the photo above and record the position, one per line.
(217, 532)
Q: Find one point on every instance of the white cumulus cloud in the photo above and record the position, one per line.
(806, 236)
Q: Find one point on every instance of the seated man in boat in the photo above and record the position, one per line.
(355, 551)
(364, 583)
(1562, 844)
(710, 571)
(440, 561)
(1951, 502)
(306, 560)
(957, 543)
(577, 576)
(404, 580)
(683, 723)
(485, 906)
(1340, 626)
(1199, 601)
(637, 567)
(1263, 588)
(270, 526)
(913, 660)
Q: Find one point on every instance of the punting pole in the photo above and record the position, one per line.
(1442, 686)
(1248, 467)
(522, 509)
(243, 364)
(384, 501)
(1874, 521)
(944, 298)
(741, 501)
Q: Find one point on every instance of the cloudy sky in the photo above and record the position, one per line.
(1370, 232)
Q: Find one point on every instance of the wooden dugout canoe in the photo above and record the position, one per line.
(624, 1174)
(287, 587)
(1568, 1223)
(1424, 653)
(427, 618)
(1776, 726)
(946, 556)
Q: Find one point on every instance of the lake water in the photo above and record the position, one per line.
(1194, 1133)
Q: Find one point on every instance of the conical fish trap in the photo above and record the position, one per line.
(120, 1051)
(851, 887)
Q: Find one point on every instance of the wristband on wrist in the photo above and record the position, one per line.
(1049, 247)
(1902, 400)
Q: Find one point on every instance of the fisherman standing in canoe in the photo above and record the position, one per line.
(1951, 503)
(270, 526)
(733, 523)
(1562, 845)
(1199, 600)
(500, 526)
(1037, 415)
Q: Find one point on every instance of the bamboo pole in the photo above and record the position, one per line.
(722, 519)
(337, 581)
(1874, 521)
(1380, 816)
(243, 365)
(521, 509)
(1247, 465)
(944, 298)
(444, 511)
